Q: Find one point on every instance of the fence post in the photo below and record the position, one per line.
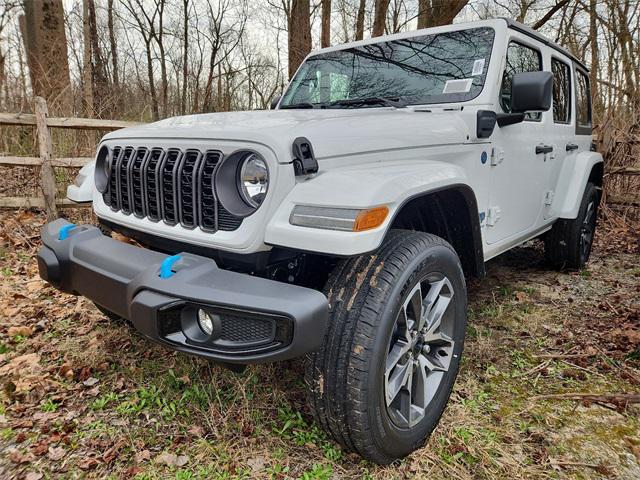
(47, 174)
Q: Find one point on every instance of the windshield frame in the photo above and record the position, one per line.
(448, 98)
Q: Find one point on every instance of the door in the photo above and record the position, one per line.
(518, 177)
(560, 132)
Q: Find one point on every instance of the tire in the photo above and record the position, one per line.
(568, 244)
(347, 378)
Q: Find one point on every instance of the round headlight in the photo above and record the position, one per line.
(253, 179)
(101, 174)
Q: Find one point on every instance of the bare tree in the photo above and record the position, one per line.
(380, 17)
(112, 42)
(299, 28)
(360, 20)
(45, 42)
(433, 13)
(87, 64)
(325, 35)
(145, 23)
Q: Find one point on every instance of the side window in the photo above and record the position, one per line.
(520, 58)
(561, 91)
(583, 100)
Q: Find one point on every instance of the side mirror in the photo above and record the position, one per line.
(531, 92)
(275, 101)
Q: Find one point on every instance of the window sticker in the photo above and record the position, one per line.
(458, 86)
(478, 67)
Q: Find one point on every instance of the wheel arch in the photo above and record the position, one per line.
(576, 173)
(449, 212)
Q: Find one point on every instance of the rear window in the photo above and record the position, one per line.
(561, 91)
(583, 100)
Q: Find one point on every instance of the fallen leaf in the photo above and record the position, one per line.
(34, 285)
(21, 457)
(56, 453)
(172, 459)
(90, 382)
(87, 463)
(29, 362)
(23, 331)
(142, 456)
(112, 453)
(256, 464)
(196, 431)
(33, 476)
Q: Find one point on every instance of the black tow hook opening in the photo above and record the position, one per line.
(223, 330)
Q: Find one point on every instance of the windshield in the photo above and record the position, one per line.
(444, 67)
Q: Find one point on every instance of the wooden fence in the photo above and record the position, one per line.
(46, 162)
(43, 123)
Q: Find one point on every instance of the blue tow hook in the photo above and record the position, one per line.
(167, 263)
(63, 233)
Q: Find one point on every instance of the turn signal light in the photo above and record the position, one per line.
(371, 218)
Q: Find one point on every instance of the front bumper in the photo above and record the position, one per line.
(256, 320)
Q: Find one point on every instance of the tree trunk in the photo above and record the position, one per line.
(112, 42)
(360, 20)
(434, 13)
(185, 56)
(325, 35)
(593, 73)
(100, 81)
(3, 83)
(87, 63)
(299, 34)
(45, 42)
(152, 86)
(380, 17)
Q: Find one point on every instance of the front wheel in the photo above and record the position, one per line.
(392, 351)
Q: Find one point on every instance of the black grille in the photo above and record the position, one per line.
(239, 329)
(171, 185)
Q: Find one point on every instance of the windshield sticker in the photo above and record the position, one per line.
(478, 67)
(458, 86)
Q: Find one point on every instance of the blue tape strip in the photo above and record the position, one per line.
(63, 233)
(167, 263)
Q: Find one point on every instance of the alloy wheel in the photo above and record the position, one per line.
(420, 350)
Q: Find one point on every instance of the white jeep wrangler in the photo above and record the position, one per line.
(340, 225)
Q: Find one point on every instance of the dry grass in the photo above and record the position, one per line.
(92, 399)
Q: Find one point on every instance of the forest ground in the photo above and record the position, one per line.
(546, 388)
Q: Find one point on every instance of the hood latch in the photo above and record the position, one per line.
(304, 161)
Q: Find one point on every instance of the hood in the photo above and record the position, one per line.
(333, 133)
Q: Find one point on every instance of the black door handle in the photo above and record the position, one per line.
(571, 146)
(544, 149)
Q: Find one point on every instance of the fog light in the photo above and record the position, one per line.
(205, 320)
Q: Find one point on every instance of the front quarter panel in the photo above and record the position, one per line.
(366, 185)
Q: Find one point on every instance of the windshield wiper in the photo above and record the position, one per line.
(387, 102)
(299, 105)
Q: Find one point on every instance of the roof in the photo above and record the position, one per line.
(522, 28)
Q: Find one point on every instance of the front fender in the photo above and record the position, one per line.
(360, 186)
(572, 181)
(84, 192)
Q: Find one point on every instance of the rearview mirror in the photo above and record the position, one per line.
(275, 101)
(531, 92)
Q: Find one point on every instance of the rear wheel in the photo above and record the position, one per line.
(392, 351)
(568, 244)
